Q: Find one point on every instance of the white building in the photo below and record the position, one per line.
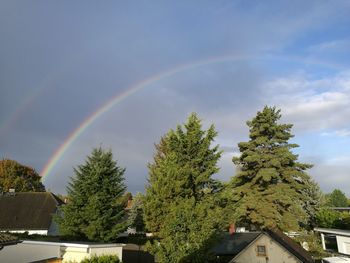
(342, 238)
(29, 251)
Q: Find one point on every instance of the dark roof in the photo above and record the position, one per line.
(6, 240)
(290, 245)
(27, 211)
(235, 243)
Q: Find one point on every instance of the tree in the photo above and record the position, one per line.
(270, 188)
(94, 210)
(314, 201)
(337, 199)
(189, 233)
(328, 218)
(181, 194)
(19, 177)
(135, 217)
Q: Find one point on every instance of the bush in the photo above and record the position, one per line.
(329, 218)
(102, 259)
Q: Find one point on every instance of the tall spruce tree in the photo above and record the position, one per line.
(94, 210)
(270, 188)
(181, 177)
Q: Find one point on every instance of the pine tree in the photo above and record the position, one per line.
(181, 176)
(269, 190)
(94, 210)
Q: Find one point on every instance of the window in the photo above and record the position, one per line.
(261, 250)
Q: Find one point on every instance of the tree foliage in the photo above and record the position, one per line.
(270, 188)
(101, 259)
(94, 210)
(314, 201)
(329, 218)
(189, 232)
(19, 177)
(135, 216)
(337, 199)
(181, 193)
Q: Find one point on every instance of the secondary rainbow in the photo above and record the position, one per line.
(58, 154)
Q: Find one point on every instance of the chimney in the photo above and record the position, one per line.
(232, 229)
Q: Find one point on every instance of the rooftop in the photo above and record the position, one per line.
(28, 211)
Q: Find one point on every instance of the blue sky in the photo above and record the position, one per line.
(61, 61)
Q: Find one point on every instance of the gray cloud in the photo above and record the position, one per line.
(61, 61)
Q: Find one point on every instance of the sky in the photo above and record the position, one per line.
(75, 75)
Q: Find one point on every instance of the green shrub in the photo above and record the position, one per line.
(314, 244)
(102, 259)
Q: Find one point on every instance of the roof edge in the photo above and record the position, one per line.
(247, 246)
(288, 247)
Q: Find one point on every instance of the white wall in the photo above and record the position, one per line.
(343, 245)
(116, 251)
(79, 253)
(29, 251)
(274, 251)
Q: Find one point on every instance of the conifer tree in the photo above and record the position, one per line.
(270, 188)
(94, 210)
(181, 177)
(135, 216)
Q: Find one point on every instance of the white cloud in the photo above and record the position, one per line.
(313, 104)
(338, 133)
(333, 173)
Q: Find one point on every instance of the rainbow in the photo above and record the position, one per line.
(44, 85)
(74, 135)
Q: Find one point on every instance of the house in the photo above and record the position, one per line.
(30, 211)
(270, 246)
(41, 251)
(335, 239)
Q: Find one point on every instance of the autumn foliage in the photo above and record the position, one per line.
(19, 177)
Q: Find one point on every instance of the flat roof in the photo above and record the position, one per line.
(339, 232)
(336, 260)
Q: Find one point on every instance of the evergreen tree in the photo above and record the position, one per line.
(314, 201)
(19, 177)
(189, 233)
(270, 188)
(181, 177)
(135, 216)
(94, 210)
